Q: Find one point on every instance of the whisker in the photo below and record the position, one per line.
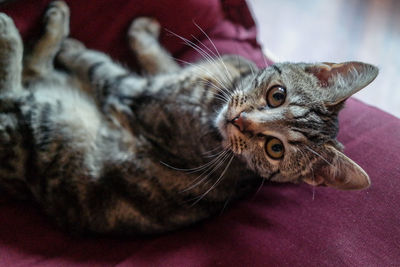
(223, 87)
(221, 96)
(213, 169)
(216, 182)
(248, 64)
(219, 89)
(206, 47)
(212, 43)
(312, 171)
(211, 151)
(223, 90)
(230, 196)
(203, 53)
(216, 57)
(192, 170)
(259, 188)
(199, 50)
(319, 155)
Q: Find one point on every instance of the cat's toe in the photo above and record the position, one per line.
(7, 27)
(145, 25)
(58, 7)
(57, 19)
(9, 35)
(5, 22)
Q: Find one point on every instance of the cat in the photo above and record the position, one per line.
(103, 150)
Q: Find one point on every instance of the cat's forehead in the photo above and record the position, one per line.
(303, 113)
(301, 87)
(291, 75)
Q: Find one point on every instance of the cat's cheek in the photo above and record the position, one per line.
(247, 157)
(221, 122)
(251, 161)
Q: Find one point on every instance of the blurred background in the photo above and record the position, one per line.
(336, 31)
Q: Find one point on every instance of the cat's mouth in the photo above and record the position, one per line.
(229, 130)
(224, 122)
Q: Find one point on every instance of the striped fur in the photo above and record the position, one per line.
(103, 150)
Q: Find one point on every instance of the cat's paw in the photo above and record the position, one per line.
(56, 19)
(144, 25)
(69, 49)
(71, 44)
(10, 40)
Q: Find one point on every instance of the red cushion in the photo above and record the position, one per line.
(103, 25)
(282, 225)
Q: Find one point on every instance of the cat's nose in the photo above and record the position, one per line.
(241, 122)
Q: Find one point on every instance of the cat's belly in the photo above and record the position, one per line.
(71, 112)
(65, 124)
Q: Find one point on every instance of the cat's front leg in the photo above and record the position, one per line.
(11, 50)
(143, 40)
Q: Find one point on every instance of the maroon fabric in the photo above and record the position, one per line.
(103, 25)
(286, 225)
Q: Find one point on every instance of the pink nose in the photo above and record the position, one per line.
(241, 122)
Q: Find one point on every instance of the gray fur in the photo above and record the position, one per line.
(103, 150)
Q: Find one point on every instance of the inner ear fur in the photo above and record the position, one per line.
(338, 171)
(341, 80)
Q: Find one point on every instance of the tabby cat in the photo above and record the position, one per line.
(103, 150)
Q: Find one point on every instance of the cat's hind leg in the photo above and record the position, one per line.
(12, 154)
(143, 40)
(11, 50)
(56, 28)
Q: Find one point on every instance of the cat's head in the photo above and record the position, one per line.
(283, 122)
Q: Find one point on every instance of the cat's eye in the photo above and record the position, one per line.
(276, 96)
(274, 148)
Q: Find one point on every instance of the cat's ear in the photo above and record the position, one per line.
(340, 81)
(338, 171)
